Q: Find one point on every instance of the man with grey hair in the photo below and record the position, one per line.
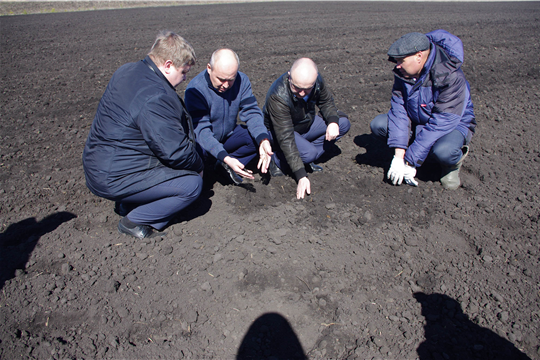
(141, 149)
(431, 114)
(300, 135)
(216, 98)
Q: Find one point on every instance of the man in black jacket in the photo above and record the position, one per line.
(141, 149)
(300, 135)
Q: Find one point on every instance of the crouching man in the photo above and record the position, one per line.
(300, 134)
(431, 113)
(141, 149)
(216, 99)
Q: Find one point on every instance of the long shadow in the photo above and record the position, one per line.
(450, 334)
(19, 240)
(270, 337)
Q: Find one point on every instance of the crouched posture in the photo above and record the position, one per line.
(215, 99)
(141, 149)
(299, 134)
(431, 113)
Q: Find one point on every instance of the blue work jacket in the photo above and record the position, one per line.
(435, 104)
(141, 135)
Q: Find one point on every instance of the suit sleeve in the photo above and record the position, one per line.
(160, 122)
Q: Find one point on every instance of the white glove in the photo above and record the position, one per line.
(399, 171)
(396, 171)
(410, 173)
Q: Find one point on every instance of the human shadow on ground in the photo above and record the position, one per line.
(270, 337)
(450, 334)
(19, 240)
(377, 154)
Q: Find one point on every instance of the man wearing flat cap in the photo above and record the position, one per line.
(431, 114)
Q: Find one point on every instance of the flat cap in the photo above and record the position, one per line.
(408, 44)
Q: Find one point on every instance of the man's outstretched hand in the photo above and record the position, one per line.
(238, 167)
(303, 187)
(265, 155)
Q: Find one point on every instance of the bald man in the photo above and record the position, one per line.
(215, 98)
(300, 135)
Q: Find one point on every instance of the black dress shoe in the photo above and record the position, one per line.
(236, 179)
(315, 168)
(274, 169)
(129, 228)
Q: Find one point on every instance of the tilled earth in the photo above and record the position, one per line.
(360, 269)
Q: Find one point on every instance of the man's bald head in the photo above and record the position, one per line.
(223, 68)
(304, 72)
(302, 76)
(224, 57)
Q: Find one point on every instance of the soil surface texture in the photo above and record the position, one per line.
(361, 269)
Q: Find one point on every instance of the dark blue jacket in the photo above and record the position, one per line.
(437, 103)
(141, 135)
(214, 114)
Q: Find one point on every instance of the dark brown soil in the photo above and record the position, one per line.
(359, 270)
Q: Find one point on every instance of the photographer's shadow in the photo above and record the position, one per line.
(450, 334)
(270, 337)
(19, 240)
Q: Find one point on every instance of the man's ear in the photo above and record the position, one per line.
(208, 67)
(167, 66)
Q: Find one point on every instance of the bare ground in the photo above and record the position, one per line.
(359, 270)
